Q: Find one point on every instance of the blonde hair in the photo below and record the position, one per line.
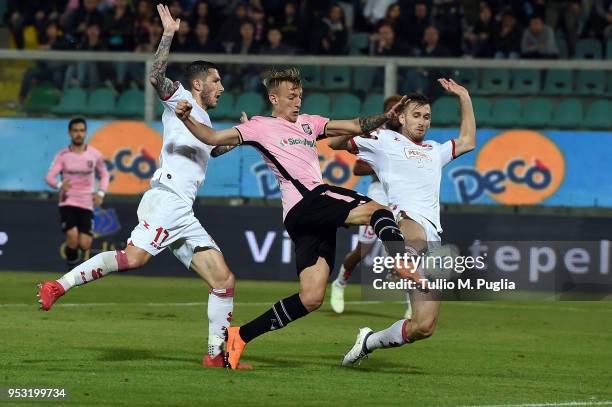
(274, 78)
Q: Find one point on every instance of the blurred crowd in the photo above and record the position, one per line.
(428, 28)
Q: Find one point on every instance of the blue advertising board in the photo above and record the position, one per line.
(509, 167)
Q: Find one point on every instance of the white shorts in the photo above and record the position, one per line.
(377, 193)
(431, 231)
(167, 221)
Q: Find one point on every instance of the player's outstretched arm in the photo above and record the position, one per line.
(363, 125)
(467, 133)
(220, 150)
(207, 135)
(164, 86)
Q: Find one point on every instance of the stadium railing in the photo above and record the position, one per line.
(493, 74)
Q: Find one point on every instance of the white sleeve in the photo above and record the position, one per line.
(366, 148)
(179, 94)
(447, 152)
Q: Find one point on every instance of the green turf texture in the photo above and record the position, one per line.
(127, 348)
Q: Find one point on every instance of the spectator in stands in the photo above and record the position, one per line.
(34, 12)
(119, 26)
(247, 74)
(424, 79)
(375, 10)
(182, 41)
(52, 71)
(176, 9)
(447, 15)
(78, 21)
(275, 45)
(289, 26)
(538, 40)
(599, 24)
(507, 38)
(431, 47)
(201, 14)
(479, 40)
(384, 43)
(87, 73)
(570, 17)
(229, 32)
(417, 23)
(258, 18)
(393, 18)
(203, 42)
(332, 35)
(246, 44)
(143, 22)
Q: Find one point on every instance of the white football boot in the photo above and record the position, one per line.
(337, 297)
(358, 352)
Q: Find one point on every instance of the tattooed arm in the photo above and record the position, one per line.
(220, 150)
(164, 86)
(362, 125)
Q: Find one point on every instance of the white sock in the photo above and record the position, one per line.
(343, 276)
(388, 338)
(220, 308)
(97, 267)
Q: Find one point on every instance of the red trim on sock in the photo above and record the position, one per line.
(122, 260)
(404, 333)
(222, 292)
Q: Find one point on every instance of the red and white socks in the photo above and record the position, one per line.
(97, 267)
(391, 337)
(343, 276)
(220, 308)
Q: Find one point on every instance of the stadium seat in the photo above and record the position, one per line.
(101, 102)
(468, 77)
(495, 81)
(358, 43)
(311, 76)
(588, 48)
(598, 115)
(41, 99)
(558, 82)
(445, 111)
(316, 103)
(568, 114)
(373, 104)
(336, 77)
(250, 102)
(224, 108)
(482, 110)
(130, 104)
(73, 101)
(609, 49)
(525, 81)
(506, 112)
(363, 78)
(345, 106)
(591, 83)
(536, 113)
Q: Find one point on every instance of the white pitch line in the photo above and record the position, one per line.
(562, 404)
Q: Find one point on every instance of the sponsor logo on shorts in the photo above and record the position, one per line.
(517, 167)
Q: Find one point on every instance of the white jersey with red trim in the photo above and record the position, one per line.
(184, 158)
(410, 173)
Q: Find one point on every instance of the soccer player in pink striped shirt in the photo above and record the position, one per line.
(77, 165)
(312, 210)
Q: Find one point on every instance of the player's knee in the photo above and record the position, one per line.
(312, 299)
(224, 279)
(135, 260)
(425, 328)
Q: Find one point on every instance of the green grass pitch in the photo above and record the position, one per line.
(128, 340)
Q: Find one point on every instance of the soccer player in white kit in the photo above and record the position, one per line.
(165, 213)
(367, 236)
(410, 170)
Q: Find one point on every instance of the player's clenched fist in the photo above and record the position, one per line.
(183, 110)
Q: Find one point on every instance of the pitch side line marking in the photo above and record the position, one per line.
(563, 404)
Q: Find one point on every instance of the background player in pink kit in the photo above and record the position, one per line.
(312, 210)
(77, 165)
(165, 213)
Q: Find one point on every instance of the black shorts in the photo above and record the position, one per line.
(71, 216)
(312, 223)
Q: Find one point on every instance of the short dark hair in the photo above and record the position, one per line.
(418, 98)
(197, 69)
(76, 120)
(391, 101)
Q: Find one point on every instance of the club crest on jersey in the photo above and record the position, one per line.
(89, 164)
(307, 129)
